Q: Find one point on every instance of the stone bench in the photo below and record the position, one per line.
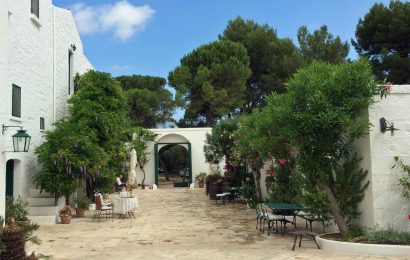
(303, 233)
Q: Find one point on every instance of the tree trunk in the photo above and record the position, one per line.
(143, 179)
(257, 177)
(337, 216)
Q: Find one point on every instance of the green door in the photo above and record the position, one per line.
(9, 177)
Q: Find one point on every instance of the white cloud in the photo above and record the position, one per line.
(122, 18)
(117, 67)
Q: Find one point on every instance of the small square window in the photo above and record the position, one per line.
(42, 126)
(16, 101)
(35, 8)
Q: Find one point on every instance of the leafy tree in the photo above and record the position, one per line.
(272, 60)
(212, 81)
(220, 145)
(321, 45)
(325, 121)
(383, 37)
(140, 144)
(149, 102)
(316, 122)
(65, 157)
(89, 143)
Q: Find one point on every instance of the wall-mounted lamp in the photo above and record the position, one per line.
(386, 125)
(73, 47)
(21, 140)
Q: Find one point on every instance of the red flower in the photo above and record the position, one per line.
(282, 161)
(272, 173)
(408, 216)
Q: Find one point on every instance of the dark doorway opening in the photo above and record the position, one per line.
(9, 178)
(173, 169)
(173, 166)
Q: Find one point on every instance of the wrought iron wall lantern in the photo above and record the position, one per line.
(21, 140)
(387, 126)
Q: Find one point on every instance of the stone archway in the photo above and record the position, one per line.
(193, 139)
(172, 139)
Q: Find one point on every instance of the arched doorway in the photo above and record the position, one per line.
(174, 142)
(173, 170)
(10, 178)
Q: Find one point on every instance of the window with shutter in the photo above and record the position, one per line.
(70, 72)
(35, 8)
(42, 126)
(16, 101)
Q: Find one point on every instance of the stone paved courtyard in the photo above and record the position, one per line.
(175, 224)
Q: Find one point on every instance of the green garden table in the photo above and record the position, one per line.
(285, 209)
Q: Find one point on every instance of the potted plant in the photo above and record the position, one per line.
(66, 213)
(200, 178)
(17, 209)
(83, 203)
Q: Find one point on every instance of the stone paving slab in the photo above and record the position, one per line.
(176, 224)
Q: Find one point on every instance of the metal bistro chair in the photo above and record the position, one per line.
(102, 210)
(271, 219)
(259, 216)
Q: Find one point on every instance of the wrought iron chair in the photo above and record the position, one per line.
(102, 209)
(271, 219)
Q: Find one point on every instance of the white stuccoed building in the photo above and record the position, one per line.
(40, 53)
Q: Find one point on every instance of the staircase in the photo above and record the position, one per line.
(42, 208)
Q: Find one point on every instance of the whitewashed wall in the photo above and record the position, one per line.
(34, 56)
(384, 204)
(196, 136)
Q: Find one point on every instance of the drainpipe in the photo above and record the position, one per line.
(54, 66)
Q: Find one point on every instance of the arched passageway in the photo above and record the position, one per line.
(173, 161)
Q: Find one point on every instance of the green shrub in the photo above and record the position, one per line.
(2, 245)
(389, 235)
(16, 208)
(82, 202)
(355, 231)
(249, 193)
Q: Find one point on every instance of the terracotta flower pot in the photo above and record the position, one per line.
(65, 219)
(80, 212)
(201, 184)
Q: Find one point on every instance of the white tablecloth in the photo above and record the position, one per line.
(125, 205)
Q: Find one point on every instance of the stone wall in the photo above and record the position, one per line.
(384, 203)
(34, 56)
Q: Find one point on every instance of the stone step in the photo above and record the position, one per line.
(34, 202)
(43, 210)
(35, 193)
(44, 220)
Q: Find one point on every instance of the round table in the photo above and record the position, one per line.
(125, 206)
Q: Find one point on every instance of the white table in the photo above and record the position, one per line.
(124, 206)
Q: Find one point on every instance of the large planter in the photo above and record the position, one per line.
(80, 212)
(214, 188)
(65, 219)
(361, 248)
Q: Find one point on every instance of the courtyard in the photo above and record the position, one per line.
(175, 224)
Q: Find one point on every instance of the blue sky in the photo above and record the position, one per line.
(150, 37)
